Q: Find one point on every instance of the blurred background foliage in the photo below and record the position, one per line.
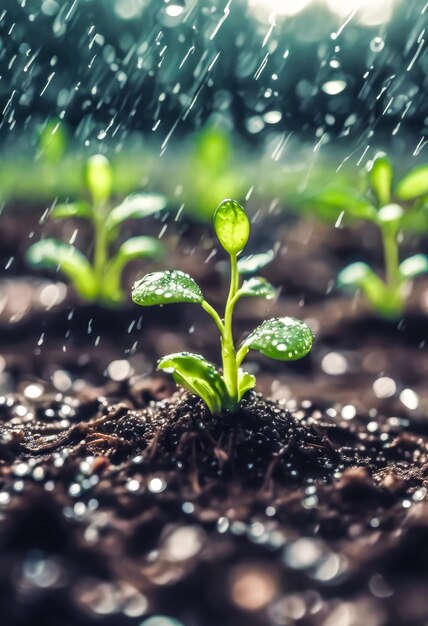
(205, 99)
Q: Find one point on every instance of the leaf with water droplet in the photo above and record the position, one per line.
(74, 209)
(413, 184)
(166, 288)
(282, 338)
(258, 287)
(232, 226)
(56, 255)
(136, 206)
(254, 262)
(134, 248)
(414, 266)
(380, 177)
(197, 375)
(99, 178)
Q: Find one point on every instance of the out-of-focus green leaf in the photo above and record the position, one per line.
(344, 200)
(74, 209)
(413, 184)
(254, 262)
(414, 266)
(53, 141)
(58, 256)
(380, 177)
(99, 178)
(384, 299)
(134, 248)
(135, 206)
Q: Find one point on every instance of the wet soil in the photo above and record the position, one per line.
(121, 499)
(112, 511)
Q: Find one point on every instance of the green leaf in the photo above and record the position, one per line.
(99, 178)
(347, 200)
(134, 248)
(385, 300)
(414, 266)
(380, 177)
(258, 287)
(166, 288)
(213, 150)
(53, 141)
(56, 255)
(413, 184)
(254, 262)
(416, 219)
(74, 209)
(197, 375)
(135, 206)
(232, 226)
(282, 338)
(245, 383)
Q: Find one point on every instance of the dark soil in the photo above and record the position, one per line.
(114, 510)
(120, 500)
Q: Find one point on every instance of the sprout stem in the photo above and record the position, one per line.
(215, 316)
(228, 352)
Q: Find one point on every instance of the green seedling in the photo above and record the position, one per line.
(99, 279)
(211, 166)
(394, 209)
(282, 338)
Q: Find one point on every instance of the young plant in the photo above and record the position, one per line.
(394, 209)
(99, 279)
(282, 338)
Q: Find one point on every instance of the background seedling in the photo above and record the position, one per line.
(282, 338)
(394, 209)
(99, 279)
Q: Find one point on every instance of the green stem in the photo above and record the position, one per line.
(101, 247)
(216, 317)
(228, 352)
(392, 269)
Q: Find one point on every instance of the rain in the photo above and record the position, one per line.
(213, 312)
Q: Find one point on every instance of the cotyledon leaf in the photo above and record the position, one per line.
(282, 338)
(232, 226)
(246, 382)
(166, 288)
(197, 375)
(56, 255)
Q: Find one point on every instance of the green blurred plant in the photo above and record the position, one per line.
(394, 209)
(209, 173)
(99, 279)
(282, 338)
